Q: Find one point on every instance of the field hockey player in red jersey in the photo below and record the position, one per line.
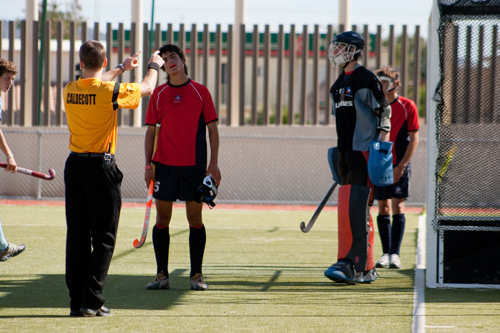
(404, 135)
(185, 112)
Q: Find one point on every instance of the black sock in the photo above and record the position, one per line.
(197, 240)
(398, 230)
(161, 244)
(384, 230)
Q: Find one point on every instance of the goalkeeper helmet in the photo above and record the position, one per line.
(207, 191)
(345, 47)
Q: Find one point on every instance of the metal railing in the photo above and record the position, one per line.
(284, 78)
(284, 82)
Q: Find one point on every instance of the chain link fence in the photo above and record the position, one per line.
(284, 165)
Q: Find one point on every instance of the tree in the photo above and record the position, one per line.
(54, 14)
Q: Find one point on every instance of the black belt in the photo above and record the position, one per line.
(88, 154)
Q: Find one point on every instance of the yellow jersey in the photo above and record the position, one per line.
(91, 111)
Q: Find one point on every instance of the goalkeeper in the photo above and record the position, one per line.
(362, 114)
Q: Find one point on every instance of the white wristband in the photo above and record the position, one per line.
(9, 156)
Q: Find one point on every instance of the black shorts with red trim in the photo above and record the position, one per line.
(398, 190)
(177, 182)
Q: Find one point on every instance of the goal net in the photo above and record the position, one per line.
(467, 191)
(463, 195)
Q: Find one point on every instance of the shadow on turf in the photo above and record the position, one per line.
(121, 291)
(145, 245)
(129, 291)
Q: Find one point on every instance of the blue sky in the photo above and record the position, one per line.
(260, 12)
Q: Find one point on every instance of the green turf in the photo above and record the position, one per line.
(264, 275)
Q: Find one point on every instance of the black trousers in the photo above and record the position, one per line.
(93, 203)
(353, 168)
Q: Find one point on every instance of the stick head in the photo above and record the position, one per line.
(136, 244)
(52, 174)
(303, 227)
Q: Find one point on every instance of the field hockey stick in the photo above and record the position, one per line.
(36, 174)
(137, 243)
(303, 226)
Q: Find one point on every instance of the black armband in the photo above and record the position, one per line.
(121, 67)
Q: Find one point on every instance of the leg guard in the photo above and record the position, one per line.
(356, 233)
(370, 261)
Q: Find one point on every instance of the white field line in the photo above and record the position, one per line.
(418, 325)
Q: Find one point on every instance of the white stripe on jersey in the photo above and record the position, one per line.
(196, 90)
(404, 108)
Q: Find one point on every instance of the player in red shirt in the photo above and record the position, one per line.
(404, 135)
(185, 111)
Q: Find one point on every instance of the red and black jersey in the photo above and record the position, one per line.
(360, 108)
(404, 120)
(183, 112)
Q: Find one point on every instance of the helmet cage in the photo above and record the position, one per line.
(340, 53)
(387, 79)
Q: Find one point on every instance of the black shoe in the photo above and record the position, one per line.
(102, 312)
(342, 271)
(75, 313)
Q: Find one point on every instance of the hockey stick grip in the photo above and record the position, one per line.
(36, 174)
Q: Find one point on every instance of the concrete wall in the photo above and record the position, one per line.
(265, 165)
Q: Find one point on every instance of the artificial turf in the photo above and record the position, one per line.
(264, 275)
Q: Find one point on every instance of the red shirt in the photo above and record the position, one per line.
(404, 119)
(183, 112)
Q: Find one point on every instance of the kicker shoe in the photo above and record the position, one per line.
(342, 271)
(366, 276)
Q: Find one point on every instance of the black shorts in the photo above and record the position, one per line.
(398, 190)
(177, 182)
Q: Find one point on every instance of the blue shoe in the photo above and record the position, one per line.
(342, 271)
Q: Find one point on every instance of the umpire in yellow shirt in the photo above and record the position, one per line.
(91, 177)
